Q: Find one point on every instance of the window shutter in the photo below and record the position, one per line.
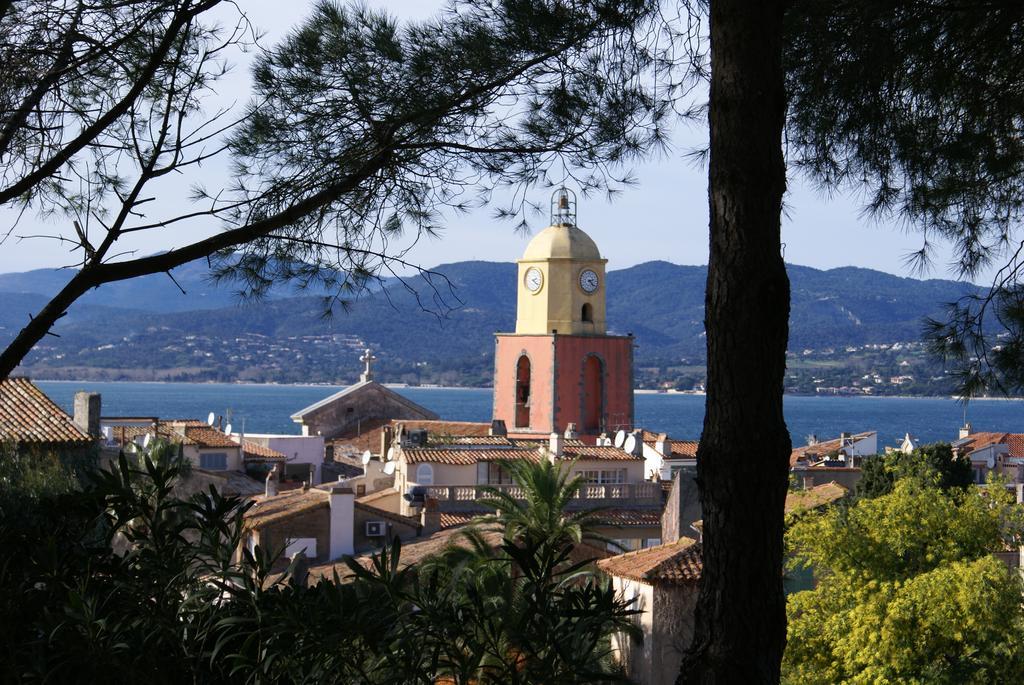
(481, 473)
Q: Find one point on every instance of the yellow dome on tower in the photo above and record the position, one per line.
(561, 241)
(561, 278)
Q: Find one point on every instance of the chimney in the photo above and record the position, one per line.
(430, 517)
(343, 511)
(663, 445)
(272, 481)
(556, 445)
(498, 429)
(300, 569)
(603, 440)
(386, 435)
(670, 515)
(964, 432)
(844, 439)
(570, 432)
(87, 412)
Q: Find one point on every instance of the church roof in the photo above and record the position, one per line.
(357, 388)
(561, 241)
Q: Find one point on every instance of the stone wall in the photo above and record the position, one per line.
(312, 524)
(672, 630)
(403, 531)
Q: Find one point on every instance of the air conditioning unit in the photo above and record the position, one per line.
(415, 438)
(375, 529)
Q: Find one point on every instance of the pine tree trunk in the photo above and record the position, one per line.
(743, 459)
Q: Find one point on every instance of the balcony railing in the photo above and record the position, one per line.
(454, 497)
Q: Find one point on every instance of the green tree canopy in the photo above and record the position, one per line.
(908, 590)
(933, 464)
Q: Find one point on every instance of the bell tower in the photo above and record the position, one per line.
(561, 278)
(561, 366)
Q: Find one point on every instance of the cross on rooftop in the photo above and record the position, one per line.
(367, 359)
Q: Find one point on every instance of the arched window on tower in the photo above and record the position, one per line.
(593, 394)
(587, 314)
(523, 392)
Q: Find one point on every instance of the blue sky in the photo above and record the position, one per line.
(664, 217)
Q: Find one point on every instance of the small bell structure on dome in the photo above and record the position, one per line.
(563, 207)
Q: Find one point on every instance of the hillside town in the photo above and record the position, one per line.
(367, 466)
(548, 342)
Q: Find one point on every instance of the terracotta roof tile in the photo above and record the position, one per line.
(822, 448)
(186, 432)
(981, 440)
(684, 449)
(1015, 441)
(603, 453)
(814, 498)
(367, 435)
(374, 496)
(253, 450)
(629, 517)
(28, 416)
(466, 456)
(284, 506)
(446, 428)
(681, 449)
(205, 436)
(479, 440)
(419, 549)
(674, 562)
(451, 519)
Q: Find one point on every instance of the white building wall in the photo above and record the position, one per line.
(342, 536)
(637, 658)
(299, 449)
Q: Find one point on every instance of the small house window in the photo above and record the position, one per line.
(497, 475)
(587, 314)
(425, 474)
(213, 461)
(603, 477)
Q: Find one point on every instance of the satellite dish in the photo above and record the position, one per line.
(620, 438)
(210, 419)
(367, 457)
(146, 440)
(391, 454)
(227, 429)
(630, 444)
(389, 468)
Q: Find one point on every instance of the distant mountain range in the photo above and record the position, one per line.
(433, 327)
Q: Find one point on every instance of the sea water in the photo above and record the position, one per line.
(268, 409)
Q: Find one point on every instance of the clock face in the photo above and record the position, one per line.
(589, 280)
(534, 279)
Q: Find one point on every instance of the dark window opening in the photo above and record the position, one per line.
(588, 312)
(523, 392)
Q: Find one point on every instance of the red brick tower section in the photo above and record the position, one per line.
(542, 383)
